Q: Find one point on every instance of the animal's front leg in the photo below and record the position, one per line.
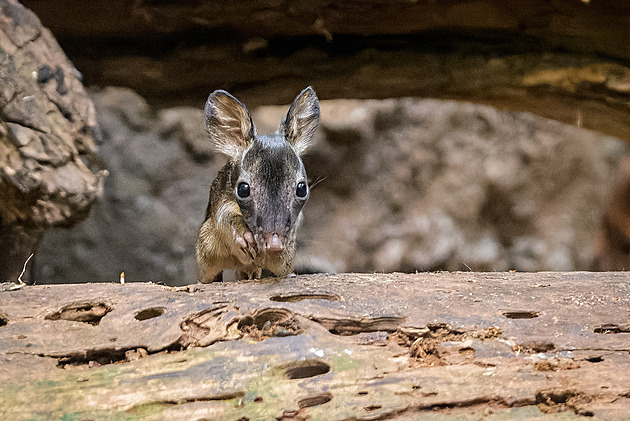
(243, 244)
(249, 273)
(236, 235)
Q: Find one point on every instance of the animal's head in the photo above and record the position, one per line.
(269, 182)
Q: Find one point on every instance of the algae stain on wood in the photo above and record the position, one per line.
(317, 374)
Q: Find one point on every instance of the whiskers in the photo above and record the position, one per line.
(314, 183)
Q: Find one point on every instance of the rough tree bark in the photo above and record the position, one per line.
(47, 126)
(566, 59)
(439, 346)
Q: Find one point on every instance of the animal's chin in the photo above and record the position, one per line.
(270, 258)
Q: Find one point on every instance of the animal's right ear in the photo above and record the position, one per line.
(229, 123)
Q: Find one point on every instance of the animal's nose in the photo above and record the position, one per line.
(273, 243)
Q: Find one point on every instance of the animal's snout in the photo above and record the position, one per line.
(273, 242)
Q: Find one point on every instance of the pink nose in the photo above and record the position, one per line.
(273, 243)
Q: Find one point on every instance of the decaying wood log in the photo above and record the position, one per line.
(321, 347)
(47, 125)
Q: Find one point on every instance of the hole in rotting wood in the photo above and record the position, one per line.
(105, 356)
(4, 319)
(372, 408)
(93, 358)
(467, 352)
(149, 313)
(534, 347)
(425, 345)
(561, 400)
(294, 298)
(349, 327)
(441, 344)
(270, 322)
(151, 406)
(518, 314)
(290, 414)
(612, 328)
(208, 326)
(362, 393)
(305, 369)
(554, 396)
(314, 400)
(90, 313)
(556, 364)
(595, 359)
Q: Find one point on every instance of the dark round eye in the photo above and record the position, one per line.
(301, 189)
(242, 190)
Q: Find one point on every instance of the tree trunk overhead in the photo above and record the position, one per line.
(566, 59)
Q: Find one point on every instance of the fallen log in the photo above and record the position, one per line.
(322, 347)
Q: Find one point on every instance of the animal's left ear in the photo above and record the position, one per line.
(301, 121)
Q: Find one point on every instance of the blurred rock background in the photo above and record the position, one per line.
(403, 183)
(400, 185)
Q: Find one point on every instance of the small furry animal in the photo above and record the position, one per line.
(256, 199)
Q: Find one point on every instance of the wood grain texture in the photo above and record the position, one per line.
(323, 347)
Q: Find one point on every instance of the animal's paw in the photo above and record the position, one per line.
(244, 246)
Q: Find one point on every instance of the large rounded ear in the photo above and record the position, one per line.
(302, 120)
(229, 123)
